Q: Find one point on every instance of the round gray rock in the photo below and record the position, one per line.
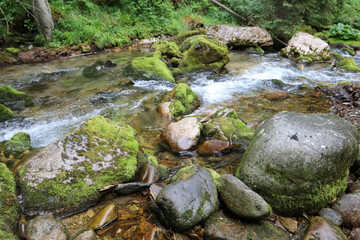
(349, 207)
(300, 162)
(185, 203)
(331, 215)
(241, 200)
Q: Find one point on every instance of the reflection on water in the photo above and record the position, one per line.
(65, 97)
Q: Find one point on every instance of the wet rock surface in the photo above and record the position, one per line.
(45, 227)
(331, 215)
(319, 228)
(222, 225)
(241, 200)
(104, 217)
(67, 175)
(348, 207)
(240, 36)
(185, 203)
(182, 135)
(213, 147)
(297, 158)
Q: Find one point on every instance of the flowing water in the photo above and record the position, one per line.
(65, 97)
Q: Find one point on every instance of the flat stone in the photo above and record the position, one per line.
(289, 224)
(331, 215)
(213, 147)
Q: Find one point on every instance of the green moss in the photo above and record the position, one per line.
(322, 35)
(228, 129)
(153, 65)
(347, 42)
(188, 171)
(9, 205)
(349, 51)
(306, 29)
(204, 53)
(189, 99)
(337, 57)
(187, 215)
(305, 59)
(19, 142)
(5, 113)
(13, 51)
(319, 195)
(183, 36)
(349, 65)
(175, 62)
(176, 109)
(8, 94)
(151, 160)
(257, 49)
(169, 49)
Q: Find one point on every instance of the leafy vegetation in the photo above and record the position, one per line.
(344, 31)
(111, 23)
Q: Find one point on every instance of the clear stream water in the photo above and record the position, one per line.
(65, 98)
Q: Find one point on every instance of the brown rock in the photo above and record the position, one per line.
(274, 96)
(289, 224)
(148, 174)
(182, 135)
(212, 147)
(144, 230)
(355, 234)
(164, 111)
(319, 228)
(105, 216)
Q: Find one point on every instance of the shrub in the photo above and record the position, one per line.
(345, 32)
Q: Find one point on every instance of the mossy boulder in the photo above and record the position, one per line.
(150, 67)
(5, 113)
(185, 35)
(9, 205)
(337, 57)
(225, 125)
(18, 143)
(66, 176)
(180, 101)
(169, 49)
(305, 45)
(300, 162)
(349, 65)
(14, 99)
(203, 53)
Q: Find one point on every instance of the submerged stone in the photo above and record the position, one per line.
(66, 176)
(104, 217)
(5, 113)
(9, 205)
(148, 67)
(300, 162)
(183, 204)
(203, 53)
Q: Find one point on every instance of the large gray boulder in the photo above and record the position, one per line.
(300, 162)
(183, 204)
(240, 36)
(306, 45)
(66, 176)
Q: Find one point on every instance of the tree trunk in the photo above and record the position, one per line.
(43, 19)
